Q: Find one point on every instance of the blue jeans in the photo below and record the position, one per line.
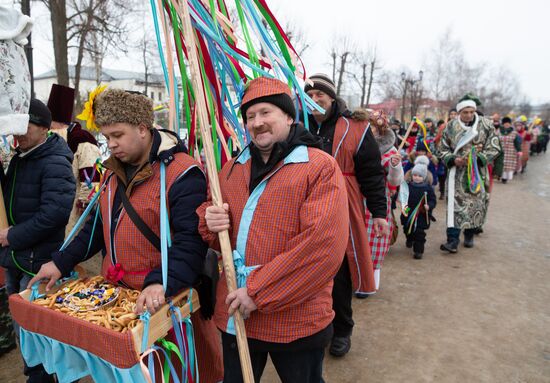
(16, 281)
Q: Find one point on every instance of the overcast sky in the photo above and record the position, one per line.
(514, 33)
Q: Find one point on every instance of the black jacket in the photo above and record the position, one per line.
(39, 190)
(368, 165)
(416, 192)
(188, 251)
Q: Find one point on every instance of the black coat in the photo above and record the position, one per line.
(416, 192)
(39, 191)
(368, 165)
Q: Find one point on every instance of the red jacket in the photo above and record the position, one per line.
(293, 228)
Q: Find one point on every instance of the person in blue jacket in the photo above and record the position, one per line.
(39, 190)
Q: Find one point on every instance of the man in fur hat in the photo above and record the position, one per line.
(82, 144)
(287, 216)
(468, 142)
(132, 184)
(349, 140)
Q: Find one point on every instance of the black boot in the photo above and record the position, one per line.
(417, 255)
(468, 238)
(409, 243)
(340, 345)
(451, 246)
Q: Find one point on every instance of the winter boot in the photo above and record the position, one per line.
(468, 238)
(451, 246)
(340, 345)
(417, 255)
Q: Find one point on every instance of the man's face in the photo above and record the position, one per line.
(323, 100)
(35, 135)
(267, 124)
(507, 125)
(467, 114)
(429, 125)
(452, 115)
(127, 142)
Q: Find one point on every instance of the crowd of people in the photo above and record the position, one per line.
(311, 213)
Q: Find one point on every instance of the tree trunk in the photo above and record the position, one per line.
(80, 55)
(371, 79)
(363, 84)
(343, 60)
(58, 15)
(333, 66)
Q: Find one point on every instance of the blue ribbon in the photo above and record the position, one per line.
(241, 270)
(145, 317)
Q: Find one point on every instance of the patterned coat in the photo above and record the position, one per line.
(509, 147)
(289, 235)
(465, 209)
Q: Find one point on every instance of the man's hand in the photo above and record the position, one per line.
(48, 271)
(380, 227)
(152, 297)
(239, 300)
(427, 207)
(460, 162)
(396, 159)
(217, 218)
(4, 237)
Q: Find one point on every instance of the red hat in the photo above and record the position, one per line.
(271, 90)
(61, 103)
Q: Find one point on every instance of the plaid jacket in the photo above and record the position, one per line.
(293, 228)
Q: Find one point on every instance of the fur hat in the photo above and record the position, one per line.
(506, 120)
(116, 105)
(270, 90)
(322, 82)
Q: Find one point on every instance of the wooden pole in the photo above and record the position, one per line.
(225, 243)
(406, 135)
(3, 216)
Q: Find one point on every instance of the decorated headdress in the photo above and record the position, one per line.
(468, 101)
(111, 106)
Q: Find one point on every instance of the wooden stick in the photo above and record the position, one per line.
(3, 216)
(406, 135)
(225, 243)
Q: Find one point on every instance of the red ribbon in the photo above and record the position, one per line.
(116, 272)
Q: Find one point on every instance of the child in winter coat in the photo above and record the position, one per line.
(418, 200)
(432, 162)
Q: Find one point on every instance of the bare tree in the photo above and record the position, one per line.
(367, 62)
(341, 51)
(297, 37)
(59, 20)
(88, 28)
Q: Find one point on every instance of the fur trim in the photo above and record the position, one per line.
(118, 106)
(386, 142)
(360, 115)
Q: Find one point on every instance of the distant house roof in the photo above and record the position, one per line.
(107, 75)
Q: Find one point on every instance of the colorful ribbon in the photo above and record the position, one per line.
(475, 182)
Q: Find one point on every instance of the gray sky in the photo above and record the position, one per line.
(514, 33)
